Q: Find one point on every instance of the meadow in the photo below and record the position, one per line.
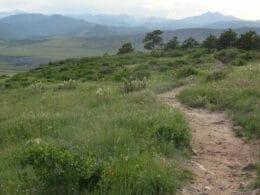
(94, 124)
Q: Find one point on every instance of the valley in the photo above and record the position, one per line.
(125, 104)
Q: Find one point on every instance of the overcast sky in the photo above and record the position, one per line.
(246, 9)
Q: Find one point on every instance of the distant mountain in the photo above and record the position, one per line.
(234, 24)
(32, 25)
(154, 22)
(208, 18)
(38, 26)
(24, 26)
(12, 13)
(110, 20)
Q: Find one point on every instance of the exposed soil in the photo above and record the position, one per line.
(221, 162)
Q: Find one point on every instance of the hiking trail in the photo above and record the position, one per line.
(222, 163)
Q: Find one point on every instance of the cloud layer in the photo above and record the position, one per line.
(248, 9)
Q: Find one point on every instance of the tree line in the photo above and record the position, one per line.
(228, 39)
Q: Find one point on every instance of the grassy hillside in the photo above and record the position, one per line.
(94, 124)
(37, 50)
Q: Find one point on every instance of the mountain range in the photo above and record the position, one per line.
(17, 25)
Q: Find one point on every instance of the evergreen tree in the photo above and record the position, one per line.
(227, 40)
(248, 41)
(126, 48)
(190, 43)
(172, 44)
(153, 40)
(210, 42)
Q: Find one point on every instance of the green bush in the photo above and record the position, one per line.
(179, 63)
(131, 84)
(157, 53)
(174, 53)
(60, 170)
(247, 56)
(239, 62)
(185, 72)
(67, 85)
(38, 87)
(170, 134)
(227, 56)
(215, 76)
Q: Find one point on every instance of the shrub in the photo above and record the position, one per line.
(131, 85)
(103, 91)
(239, 62)
(185, 72)
(177, 63)
(59, 170)
(247, 56)
(67, 85)
(215, 76)
(226, 56)
(140, 74)
(157, 53)
(125, 49)
(38, 87)
(174, 54)
(178, 135)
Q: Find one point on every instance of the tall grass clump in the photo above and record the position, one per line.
(134, 84)
(67, 85)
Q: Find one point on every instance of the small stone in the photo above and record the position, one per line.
(207, 188)
(194, 152)
(225, 187)
(242, 185)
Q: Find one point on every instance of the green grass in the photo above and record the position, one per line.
(133, 143)
(7, 69)
(120, 129)
(238, 93)
(62, 47)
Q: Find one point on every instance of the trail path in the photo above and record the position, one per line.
(221, 161)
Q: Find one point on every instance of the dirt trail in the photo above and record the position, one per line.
(220, 160)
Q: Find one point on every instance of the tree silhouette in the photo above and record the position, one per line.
(210, 42)
(190, 43)
(172, 44)
(227, 40)
(126, 48)
(248, 41)
(153, 40)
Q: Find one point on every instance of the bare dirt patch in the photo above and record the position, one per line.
(221, 161)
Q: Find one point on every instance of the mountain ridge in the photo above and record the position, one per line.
(27, 26)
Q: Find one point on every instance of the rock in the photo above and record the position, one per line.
(225, 187)
(193, 151)
(207, 188)
(201, 167)
(242, 185)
